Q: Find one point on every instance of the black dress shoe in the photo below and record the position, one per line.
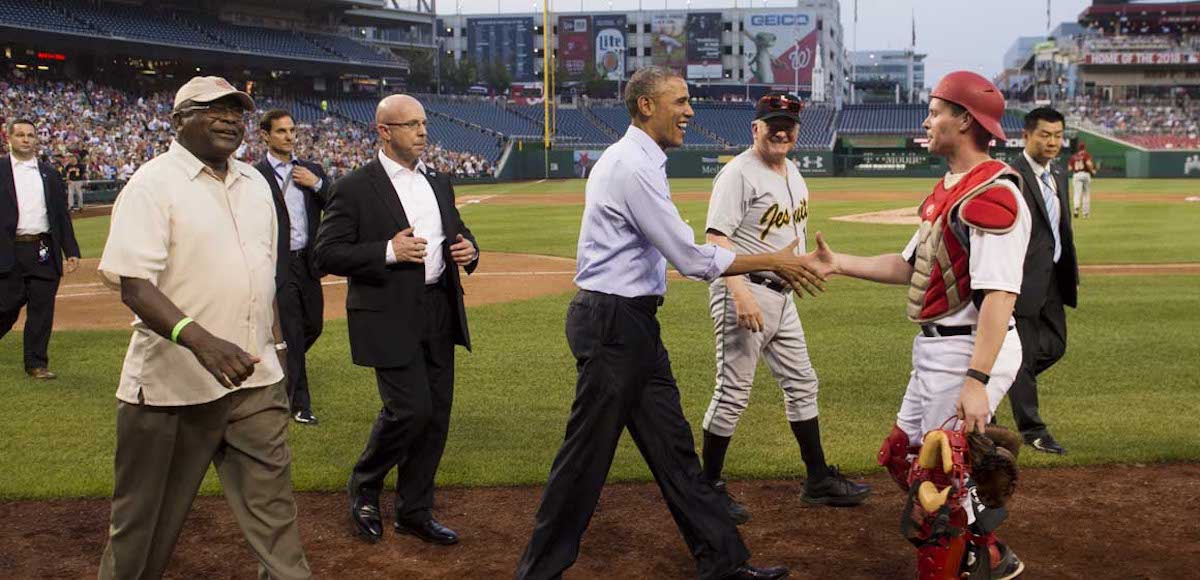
(1046, 444)
(430, 530)
(365, 521)
(748, 572)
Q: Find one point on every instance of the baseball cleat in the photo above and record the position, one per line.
(306, 417)
(1009, 566)
(737, 512)
(835, 490)
(1046, 444)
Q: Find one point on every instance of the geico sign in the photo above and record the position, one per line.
(779, 20)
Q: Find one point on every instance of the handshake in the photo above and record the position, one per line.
(803, 272)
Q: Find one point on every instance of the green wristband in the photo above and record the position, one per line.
(179, 327)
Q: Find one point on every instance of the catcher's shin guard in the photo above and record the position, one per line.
(937, 529)
(896, 454)
(934, 519)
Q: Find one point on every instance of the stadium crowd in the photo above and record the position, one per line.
(109, 132)
(1177, 119)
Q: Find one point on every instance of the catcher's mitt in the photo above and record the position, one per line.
(994, 464)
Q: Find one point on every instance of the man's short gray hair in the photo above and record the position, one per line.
(645, 82)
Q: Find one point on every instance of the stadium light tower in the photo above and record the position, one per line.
(796, 59)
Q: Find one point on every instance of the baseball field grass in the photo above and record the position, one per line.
(1124, 393)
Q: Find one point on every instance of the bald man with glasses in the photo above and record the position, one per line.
(391, 228)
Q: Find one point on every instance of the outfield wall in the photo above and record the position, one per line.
(1114, 159)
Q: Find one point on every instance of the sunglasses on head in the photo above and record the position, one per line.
(781, 102)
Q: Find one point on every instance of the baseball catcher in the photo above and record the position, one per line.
(963, 268)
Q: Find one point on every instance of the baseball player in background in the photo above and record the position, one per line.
(963, 267)
(1082, 169)
(760, 204)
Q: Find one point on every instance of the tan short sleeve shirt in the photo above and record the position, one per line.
(209, 246)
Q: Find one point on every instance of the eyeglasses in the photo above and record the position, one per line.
(781, 102)
(410, 125)
(214, 110)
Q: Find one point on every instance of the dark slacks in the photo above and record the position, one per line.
(1043, 343)
(625, 381)
(35, 284)
(410, 431)
(301, 315)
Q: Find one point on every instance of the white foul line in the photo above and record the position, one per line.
(337, 281)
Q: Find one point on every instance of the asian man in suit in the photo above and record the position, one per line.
(1051, 276)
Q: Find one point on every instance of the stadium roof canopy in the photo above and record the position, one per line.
(1155, 13)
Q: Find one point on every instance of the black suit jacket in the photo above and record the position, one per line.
(383, 304)
(1039, 259)
(315, 201)
(62, 233)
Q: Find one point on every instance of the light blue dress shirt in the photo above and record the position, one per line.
(631, 229)
(293, 197)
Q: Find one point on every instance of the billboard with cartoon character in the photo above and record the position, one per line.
(668, 40)
(780, 47)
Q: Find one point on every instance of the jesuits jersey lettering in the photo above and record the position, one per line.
(758, 209)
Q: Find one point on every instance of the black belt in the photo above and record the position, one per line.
(769, 283)
(299, 253)
(30, 238)
(935, 330)
(649, 303)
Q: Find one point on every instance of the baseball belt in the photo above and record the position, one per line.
(769, 283)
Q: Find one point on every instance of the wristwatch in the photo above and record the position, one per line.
(281, 346)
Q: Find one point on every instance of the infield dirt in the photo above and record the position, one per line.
(1116, 522)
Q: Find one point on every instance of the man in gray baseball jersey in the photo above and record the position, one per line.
(760, 204)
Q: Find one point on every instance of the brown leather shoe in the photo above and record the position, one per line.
(41, 374)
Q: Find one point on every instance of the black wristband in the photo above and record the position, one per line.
(979, 376)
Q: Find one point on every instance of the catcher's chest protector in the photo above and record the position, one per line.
(941, 280)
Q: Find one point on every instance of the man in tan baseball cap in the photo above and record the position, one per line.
(193, 248)
(201, 90)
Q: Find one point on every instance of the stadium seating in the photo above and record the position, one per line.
(1154, 123)
(731, 122)
(452, 135)
(890, 119)
(485, 114)
(260, 40)
(442, 130)
(39, 15)
(1164, 141)
(349, 48)
(180, 28)
(885, 119)
(137, 23)
(616, 118)
(573, 123)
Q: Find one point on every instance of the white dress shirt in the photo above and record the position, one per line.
(1050, 200)
(424, 215)
(631, 229)
(32, 218)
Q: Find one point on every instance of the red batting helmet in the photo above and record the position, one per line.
(975, 94)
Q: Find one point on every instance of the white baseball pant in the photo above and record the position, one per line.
(781, 341)
(1082, 200)
(939, 366)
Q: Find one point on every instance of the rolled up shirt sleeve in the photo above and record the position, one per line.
(657, 218)
(139, 235)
